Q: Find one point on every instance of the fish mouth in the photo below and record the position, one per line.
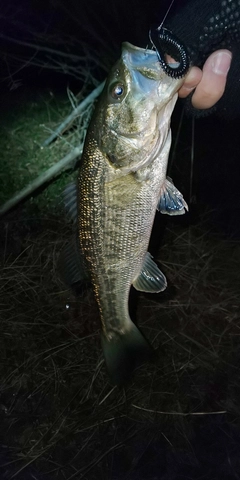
(155, 146)
(138, 134)
(138, 58)
(153, 63)
(144, 161)
(144, 133)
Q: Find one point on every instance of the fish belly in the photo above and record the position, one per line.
(115, 223)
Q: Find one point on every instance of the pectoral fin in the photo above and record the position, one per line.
(71, 265)
(150, 279)
(171, 200)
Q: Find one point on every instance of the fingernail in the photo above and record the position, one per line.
(221, 63)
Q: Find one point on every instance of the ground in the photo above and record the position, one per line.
(178, 418)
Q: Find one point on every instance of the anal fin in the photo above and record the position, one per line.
(71, 265)
(150, 279)
(70, 201)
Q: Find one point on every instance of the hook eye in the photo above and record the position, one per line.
(165, 43)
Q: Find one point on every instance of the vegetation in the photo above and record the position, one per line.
(60, 417)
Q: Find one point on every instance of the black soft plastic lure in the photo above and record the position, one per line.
(166, 43)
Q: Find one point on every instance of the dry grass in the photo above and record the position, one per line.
(60, 416)
(27, 119)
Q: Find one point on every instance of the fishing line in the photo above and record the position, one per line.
(175, 143)
(161, 24)
(191, 198)
(165, 16)
(192, 161)
(166, 43)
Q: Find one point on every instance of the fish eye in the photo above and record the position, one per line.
(117, 91)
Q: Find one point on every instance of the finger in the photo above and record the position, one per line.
(213, 82)
(191, 81)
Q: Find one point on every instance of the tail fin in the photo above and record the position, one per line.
(124, 353)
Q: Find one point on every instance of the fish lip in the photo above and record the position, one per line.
(158, 145)
(161, 139)
(142, 132)
(157, 124)
(153, 154)
(133, 48)
(133, 135)
(142, 60)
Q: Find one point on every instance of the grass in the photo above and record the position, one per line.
(60, 417)
(24, 128)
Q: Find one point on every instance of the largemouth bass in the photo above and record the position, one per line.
(122, 182)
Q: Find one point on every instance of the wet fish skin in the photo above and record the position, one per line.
(121, 180)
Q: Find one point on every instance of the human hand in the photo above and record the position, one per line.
(209, 83)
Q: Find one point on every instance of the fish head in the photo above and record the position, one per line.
(135, 109)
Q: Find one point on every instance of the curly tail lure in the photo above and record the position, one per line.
(165, 42)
